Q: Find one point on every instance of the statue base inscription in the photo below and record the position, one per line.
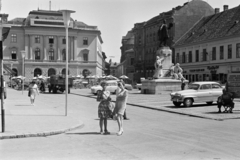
(159, 86)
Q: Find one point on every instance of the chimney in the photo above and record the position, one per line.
(217, 10)
(225, 7)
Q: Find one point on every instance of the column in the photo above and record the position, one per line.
(75, 48)
(30, 47)
(26, 46)
(72, 49)
(45, 47)
(58, 48)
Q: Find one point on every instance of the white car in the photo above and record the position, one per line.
(111, 86)
(197, 92)
(139, 86)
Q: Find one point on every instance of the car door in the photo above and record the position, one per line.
(204, 93)
(216, 92)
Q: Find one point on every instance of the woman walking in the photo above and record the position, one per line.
(103, 108)
(120, 107)
(33, 91)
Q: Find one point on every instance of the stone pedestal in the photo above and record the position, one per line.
(159, 86)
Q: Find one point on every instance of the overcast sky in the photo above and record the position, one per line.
(114, 18)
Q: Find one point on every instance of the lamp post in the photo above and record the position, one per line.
(66, 19)
(3, 21)
(23, 59)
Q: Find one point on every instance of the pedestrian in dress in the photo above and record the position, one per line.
(33, 91)
(103, 108)
(120, 107)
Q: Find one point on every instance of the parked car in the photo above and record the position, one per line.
(197, 92)
(111, 86)
(128, 87)
(139, 86)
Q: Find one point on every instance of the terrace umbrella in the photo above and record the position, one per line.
(124, 77)
(110, 77)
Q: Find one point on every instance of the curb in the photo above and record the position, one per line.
(41, 134)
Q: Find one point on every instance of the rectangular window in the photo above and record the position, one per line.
(184, 57)
(14, 38)
(190, 57)
(221, 52)
(229, 51)
(238, 50)
(214, 53)
(14, 54)
(197, 55)
(204, 55)
(51, 40)
(37, 39)
(85, 57)
(177, 58)
(64, 41)
(85, 41)
(132, 61)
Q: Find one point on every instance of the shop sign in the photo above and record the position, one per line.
(197, 70)
(235, 69)
(233, 84)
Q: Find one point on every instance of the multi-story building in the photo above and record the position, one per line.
(146, 38)
(211, 49)
(41, 36)
(127, 55)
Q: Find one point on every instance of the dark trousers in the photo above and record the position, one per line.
(220, 104)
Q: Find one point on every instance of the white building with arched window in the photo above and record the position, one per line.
(42, 36)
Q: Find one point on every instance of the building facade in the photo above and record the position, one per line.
(146, 38)
(127, 55)
(211, 49)
(42, 37)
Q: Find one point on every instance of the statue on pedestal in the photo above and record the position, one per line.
(158, 67)
(163, 34)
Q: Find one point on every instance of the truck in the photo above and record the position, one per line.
(57, 83)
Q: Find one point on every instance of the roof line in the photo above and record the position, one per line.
(188, 30)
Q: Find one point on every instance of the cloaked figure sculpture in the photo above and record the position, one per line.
(163, 34)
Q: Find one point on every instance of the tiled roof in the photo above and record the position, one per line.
(16, 21)
(223, 24)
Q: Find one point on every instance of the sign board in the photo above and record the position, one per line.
(233, 84)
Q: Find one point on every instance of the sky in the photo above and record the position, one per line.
(114, 18)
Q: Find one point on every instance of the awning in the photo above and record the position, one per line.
(9, 70)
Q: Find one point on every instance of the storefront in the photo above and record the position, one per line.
(208, 73)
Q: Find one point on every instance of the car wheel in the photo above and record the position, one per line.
(177, 104)
(188, 102)
(209, 103)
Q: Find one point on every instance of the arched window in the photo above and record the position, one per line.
(51, 54)
(37, 72)
(16, 72)
(51, 71)
(64, 71)
(64, 54)
(37, 54)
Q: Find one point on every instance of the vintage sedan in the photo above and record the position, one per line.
(111, 86)
(197, 92)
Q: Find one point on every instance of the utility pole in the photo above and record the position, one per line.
(3, 19)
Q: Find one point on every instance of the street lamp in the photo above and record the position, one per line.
(66, 19)
(3, 24)
(11, 74)
(23, 59)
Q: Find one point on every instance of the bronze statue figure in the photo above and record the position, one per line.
(163, 34)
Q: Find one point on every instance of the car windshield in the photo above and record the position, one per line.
(193, 86)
